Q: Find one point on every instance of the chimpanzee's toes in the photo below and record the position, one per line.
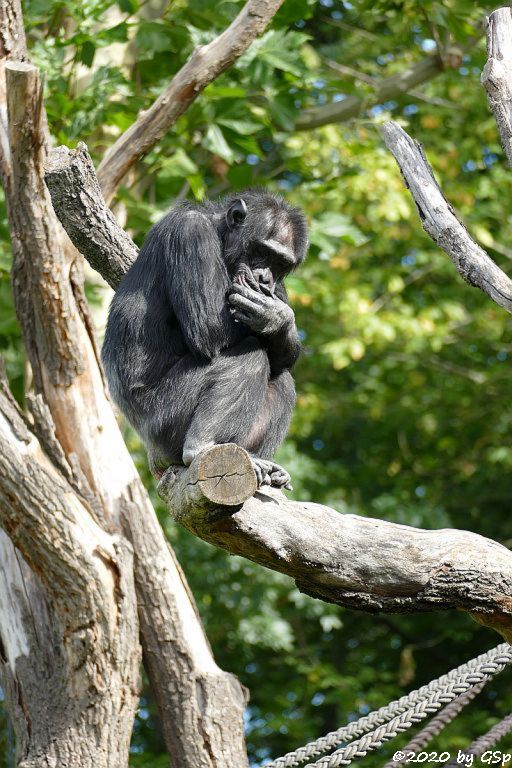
(280, 478)
(261, 469)
(269, 473)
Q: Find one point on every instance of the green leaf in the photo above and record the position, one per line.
(215, 142)
(336, 226)
(279, 49)
(86, 53)
(197, 186)
(128, 6)
(283, 112)
(244, 127)
(179, 164)
(152, 37)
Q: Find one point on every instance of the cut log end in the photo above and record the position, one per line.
(222, 475)
(225, 475)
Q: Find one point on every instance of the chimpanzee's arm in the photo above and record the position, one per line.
(272, 318)
(197, 282)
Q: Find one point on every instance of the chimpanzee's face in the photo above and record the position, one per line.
(262, 237)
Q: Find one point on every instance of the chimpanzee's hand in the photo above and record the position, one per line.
(264, 314)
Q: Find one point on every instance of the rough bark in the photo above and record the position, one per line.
(69, 650)
(405, 569)
(72, 414)
(84, 214)
(497, 73)
(196, 700)
(206, 63)
(438, 219)
(12, 46)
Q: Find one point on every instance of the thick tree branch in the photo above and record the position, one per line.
(205, 64)
(359, 562)
(440, 222)
(384, 90)
(79, 204)
(43, 517)
(497, 73)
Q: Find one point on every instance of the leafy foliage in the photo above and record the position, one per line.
(403, 387)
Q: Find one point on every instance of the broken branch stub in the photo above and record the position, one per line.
(82, 211)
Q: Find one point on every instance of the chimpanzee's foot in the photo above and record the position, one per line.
(270, 473)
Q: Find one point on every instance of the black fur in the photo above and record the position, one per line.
(179, 365)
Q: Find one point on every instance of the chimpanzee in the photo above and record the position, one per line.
(200, 337)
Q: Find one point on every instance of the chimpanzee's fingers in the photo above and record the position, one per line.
(251, 281)
(249, 293)
(266, 289)
(241, 302)
(241, 317)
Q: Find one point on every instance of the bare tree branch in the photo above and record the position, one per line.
(328, 554)
(387, 88)
(497, 73)
(206, 63)
(440, 222)
(384, 90)
(38, 509)
(201, 706)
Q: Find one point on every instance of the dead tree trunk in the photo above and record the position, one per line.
(70, 498)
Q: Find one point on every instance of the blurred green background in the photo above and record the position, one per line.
(403, 389)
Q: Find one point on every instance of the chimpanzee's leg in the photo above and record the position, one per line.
(230, 404)
(200, 404)
(271, 426)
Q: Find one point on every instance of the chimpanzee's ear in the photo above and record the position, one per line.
(236, 214)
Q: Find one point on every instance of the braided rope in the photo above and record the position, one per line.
(422, 709)
(440, 721)
(383, 715)
(487, 740)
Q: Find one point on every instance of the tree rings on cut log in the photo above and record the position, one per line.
(225, 475)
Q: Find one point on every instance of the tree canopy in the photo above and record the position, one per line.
(402, 388)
